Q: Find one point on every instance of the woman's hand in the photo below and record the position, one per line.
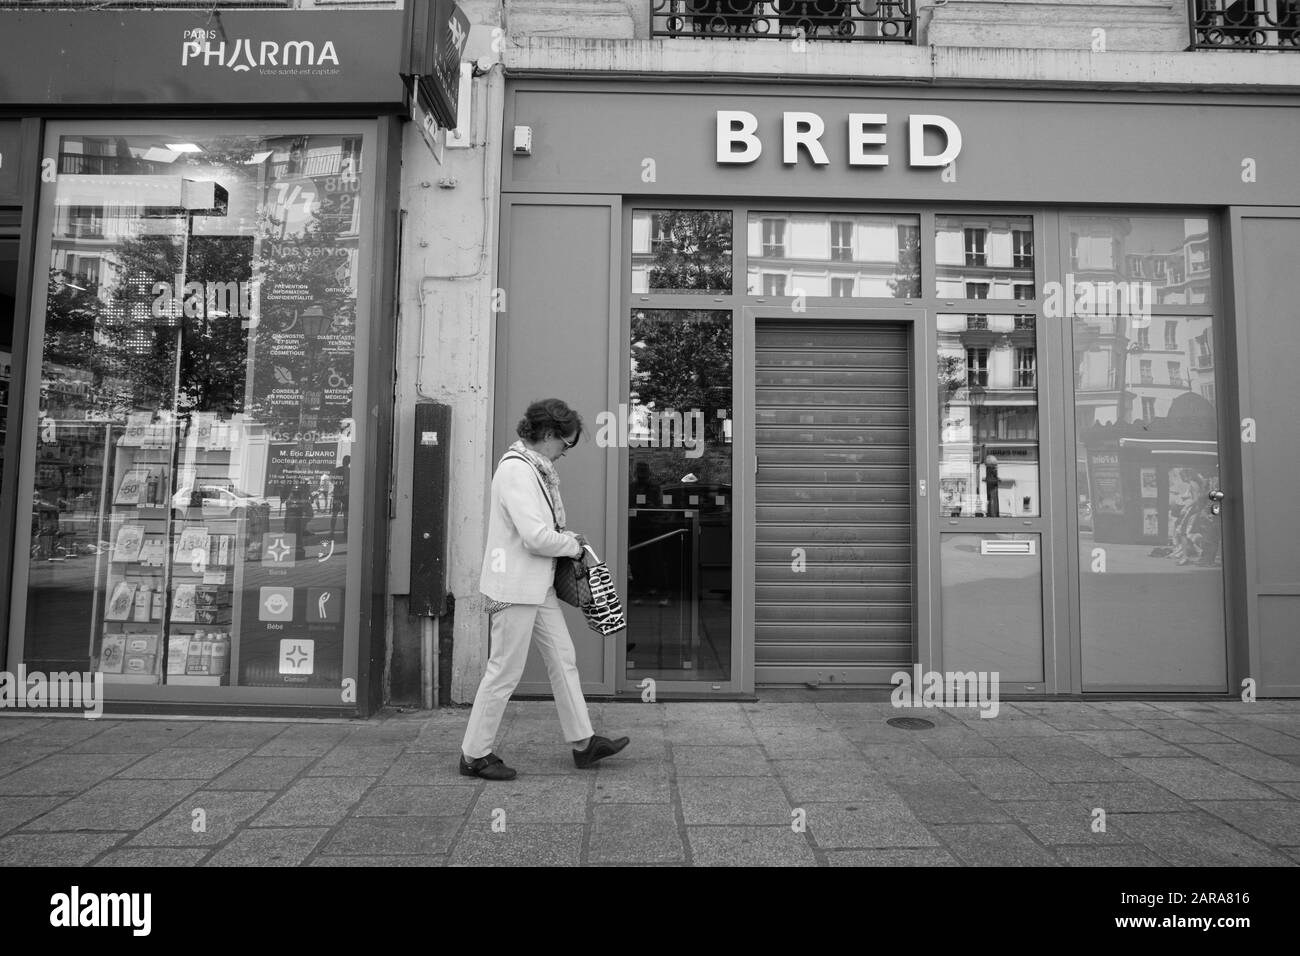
(582, 541)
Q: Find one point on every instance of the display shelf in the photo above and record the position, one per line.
(130, 678)
(131, 632)
(178, 549)
(197, 680)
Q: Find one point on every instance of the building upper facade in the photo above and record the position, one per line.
(1148, 44)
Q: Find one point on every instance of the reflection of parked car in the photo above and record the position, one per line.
(216, 500)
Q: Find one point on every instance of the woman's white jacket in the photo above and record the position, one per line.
(522, 543)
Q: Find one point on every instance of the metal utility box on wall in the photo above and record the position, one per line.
(430, 481)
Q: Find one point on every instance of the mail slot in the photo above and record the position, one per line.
(1006, 547)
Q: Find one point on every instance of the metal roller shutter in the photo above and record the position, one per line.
(833, 429)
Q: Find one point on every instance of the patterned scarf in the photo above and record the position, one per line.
(546, 469)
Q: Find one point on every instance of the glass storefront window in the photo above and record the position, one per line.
(1147, 464)
(984, 257)
(841, 256)
(680, 496)
(194, 435)
(988, 415)
(8, 292)
(681, 250)
(1168, 254)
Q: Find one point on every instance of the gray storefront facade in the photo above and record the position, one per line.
(198, 244)
(971, 379)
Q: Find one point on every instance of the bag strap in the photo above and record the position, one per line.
(554, 520)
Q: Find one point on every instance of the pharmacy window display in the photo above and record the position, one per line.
(194, 423)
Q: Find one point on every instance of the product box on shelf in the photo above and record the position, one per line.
(121, 602)
(130, 657)
(206, 656)
(192, 545)
(183, 606)
(178, 647)
(153, 551)
(111, 651)
(130, 541)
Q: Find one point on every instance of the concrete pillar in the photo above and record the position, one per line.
(448, 278)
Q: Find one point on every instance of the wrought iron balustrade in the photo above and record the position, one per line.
(872, 21)
(1244, 24)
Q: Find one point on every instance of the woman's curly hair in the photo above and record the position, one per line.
(549, 416)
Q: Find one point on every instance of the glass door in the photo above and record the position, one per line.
(677, 426)
(1150, 535)
(993, 480)
(680, 496)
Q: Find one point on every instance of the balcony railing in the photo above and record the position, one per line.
(1244, 24)
(87, 164)
(315, 164)
(871, 21)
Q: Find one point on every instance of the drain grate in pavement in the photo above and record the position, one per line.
(910, 723)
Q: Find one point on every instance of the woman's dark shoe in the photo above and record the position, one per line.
(490, 767)
(597, 749)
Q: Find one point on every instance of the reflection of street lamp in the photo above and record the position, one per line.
(991, 483)
(314, 322)
(976, 394)
(313, 325)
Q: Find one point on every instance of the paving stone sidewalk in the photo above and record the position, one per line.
(1180, 783)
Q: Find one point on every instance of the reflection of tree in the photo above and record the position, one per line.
(216, 350)
(681, 361)
(692, 250)
(952, 376)
(71, 309)
(906, 283)
(85, 357)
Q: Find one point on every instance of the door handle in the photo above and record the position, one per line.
(1216, 495)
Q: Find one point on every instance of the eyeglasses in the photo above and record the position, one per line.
(568, 444)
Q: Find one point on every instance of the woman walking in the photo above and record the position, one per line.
(525, 535)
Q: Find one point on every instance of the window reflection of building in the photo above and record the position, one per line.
(1172, 253)
(1144, 392)
(6, 364)
(988, 382)
(984, 257)
(8, 304)
(866, 256)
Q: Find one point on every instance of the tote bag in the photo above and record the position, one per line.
(587, 586)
